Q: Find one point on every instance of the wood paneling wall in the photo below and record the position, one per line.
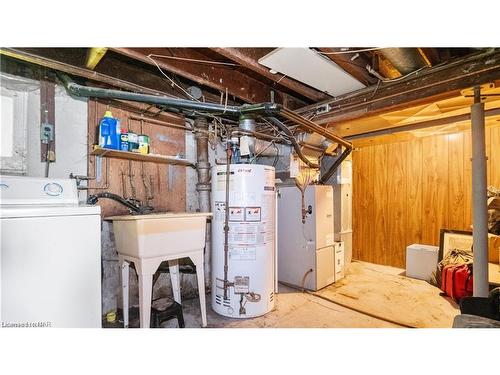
(405, 192)
(166, 184)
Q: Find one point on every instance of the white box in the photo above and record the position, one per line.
(339, 260)
(421, 261)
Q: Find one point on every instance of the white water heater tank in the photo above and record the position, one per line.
(251, 240)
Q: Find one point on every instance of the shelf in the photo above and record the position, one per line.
(127, 155)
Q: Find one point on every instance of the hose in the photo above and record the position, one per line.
(92, 199)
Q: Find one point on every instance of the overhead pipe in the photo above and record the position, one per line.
(266, 109)
(331, 171)
(479, 198)
(405, 60)
(270, 110)
(97, 92)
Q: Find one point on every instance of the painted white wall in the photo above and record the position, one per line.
(71, 135)
(71, 128)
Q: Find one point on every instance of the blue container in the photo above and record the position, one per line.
(124, 140)
(109, 132)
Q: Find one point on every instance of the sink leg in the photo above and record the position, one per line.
(173, 266)
(124, 265)
(200, 275)
(145, 294)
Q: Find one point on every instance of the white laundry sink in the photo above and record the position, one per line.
(155, 235)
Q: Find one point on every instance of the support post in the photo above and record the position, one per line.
(203, 187)
(479, 198)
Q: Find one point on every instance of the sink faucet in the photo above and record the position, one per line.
(134, 206)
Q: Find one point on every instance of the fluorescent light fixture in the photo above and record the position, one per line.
(313, 69)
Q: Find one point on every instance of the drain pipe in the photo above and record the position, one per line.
(479, 198)
(203, 186)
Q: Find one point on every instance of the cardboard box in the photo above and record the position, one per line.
(421, 261)
(493, 248)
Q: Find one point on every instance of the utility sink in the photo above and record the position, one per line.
(156, 235)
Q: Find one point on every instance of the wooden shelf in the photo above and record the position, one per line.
(153, 158)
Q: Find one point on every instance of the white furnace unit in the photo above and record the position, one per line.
(306, 254)
(50, 255)
(251, 247)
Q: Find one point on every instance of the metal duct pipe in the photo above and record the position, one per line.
(295, 144)
(203, 187)
(247, 123)
(405, 60)
(479, 198)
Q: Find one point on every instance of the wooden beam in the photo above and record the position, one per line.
(430, 55)
(239, 56)
(218, 77)
(425, 87)
(76, 71)
(356, 67)
(94, 56)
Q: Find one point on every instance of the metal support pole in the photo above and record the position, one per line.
(203, 187)
(479, 198)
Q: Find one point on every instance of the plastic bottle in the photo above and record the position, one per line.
(109, 132)
(124, 140)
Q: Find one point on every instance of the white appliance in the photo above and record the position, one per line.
(50, 260)
(421, 261)
(251, 240)
(342, 207)
(339, 260)
(306, 256)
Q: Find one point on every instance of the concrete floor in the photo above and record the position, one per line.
(379, 290)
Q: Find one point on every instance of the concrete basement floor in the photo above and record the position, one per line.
(379, 290)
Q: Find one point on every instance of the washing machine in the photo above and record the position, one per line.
(50, 260)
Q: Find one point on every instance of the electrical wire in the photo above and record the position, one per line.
(170, 79)
(351, 51)
(195, 60)
(383, 79)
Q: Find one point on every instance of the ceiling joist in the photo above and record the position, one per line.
(352, 64)
(215, 76)
(423, 87)
(239, 56)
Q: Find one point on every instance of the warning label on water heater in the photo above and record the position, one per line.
(236, 214)
(252, 214)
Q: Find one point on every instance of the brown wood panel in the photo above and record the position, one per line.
(494, 156)
(362, 160)
(456, 194)
(396, 211)
(435, 187)
(381, 208)
(162, 186)
(428, 180)
(414, 182)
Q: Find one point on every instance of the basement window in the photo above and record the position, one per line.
(13, 129)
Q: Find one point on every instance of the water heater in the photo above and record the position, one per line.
(250, 257)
